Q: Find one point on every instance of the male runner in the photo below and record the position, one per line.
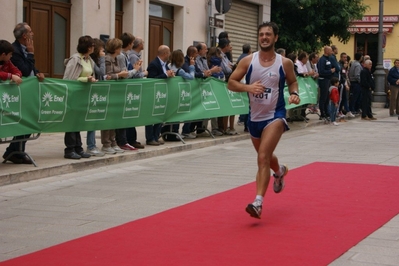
(266, 73)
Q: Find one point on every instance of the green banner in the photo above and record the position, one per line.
(307, 92)
(57, 105)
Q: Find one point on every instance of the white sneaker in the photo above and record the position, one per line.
(117, 149)
(190, 135)
(203, 134)
(231, 132)
(108, 150)
(216, 132)
(349, 114)
(335, 123)
(95, 152)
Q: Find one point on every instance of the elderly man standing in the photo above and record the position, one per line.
(393, 79)
(368, 86)
(158, 69)
(24, 59)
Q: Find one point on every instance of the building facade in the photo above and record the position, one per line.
(57, 24)
(364, 33)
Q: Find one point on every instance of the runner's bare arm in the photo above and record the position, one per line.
(291, 81)
(235, 84)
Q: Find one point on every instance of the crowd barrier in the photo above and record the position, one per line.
(57, 105)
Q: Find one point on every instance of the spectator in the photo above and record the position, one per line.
(134, 57)
(246, 50)
(23, 58)
(393, 79)
(124, 62)
(355, 88)
(158, 69)
(225, 35)
(344, 89)
(334, 62)
(281, 51)
(334, 99)
(326, 71)
(202, 63)
(7, 69)
(114, 71)
(80, 67)
(214, 58)
(98, 57)
(176, 65)
(226, 122)
(367, 84)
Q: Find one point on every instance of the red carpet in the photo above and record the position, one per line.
(325, 209)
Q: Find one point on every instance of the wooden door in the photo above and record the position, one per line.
(161, 32)
(50, 23)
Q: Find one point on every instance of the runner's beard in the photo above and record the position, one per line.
(267, 49)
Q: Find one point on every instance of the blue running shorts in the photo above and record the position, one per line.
(256, 128)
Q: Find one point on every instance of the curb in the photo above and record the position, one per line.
(78, 165)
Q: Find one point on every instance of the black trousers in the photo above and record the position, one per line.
(73, 142)
(366, 103)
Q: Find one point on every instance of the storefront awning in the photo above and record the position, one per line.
(370, 24)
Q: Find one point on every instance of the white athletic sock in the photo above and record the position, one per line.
(259, 198)
(280, 171)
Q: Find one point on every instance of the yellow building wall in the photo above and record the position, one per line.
(391, 51)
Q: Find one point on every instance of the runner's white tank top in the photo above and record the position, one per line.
(271, 103)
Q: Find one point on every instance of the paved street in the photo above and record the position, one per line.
(73, 199)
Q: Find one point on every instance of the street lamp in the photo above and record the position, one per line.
(379, 73)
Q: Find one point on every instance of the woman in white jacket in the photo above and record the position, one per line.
(80, 67)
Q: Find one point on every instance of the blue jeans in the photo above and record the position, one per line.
(152, 132)
(91, 139)
(186, 128)
(344, 98)
(333, 112)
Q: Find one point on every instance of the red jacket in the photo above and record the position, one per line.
(8, 69)
(334, 94)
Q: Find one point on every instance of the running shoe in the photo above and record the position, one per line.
(278, 184)
(254, 209)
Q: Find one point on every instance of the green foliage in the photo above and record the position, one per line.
(308, 25)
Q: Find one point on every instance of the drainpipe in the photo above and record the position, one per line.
(208, 28)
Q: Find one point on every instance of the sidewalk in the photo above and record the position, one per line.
(48, 151)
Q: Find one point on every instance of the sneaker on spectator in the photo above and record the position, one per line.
(279, 184)
(349, 114)
(231, 132)
(203, 134)
(190, 135)
(128, 147)
(108, 150)
(138, 145)
(117, 149)
(217, 132)
(95, 152)
(255, 209)
(335, 123)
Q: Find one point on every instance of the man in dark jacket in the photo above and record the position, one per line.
(326, 71)
(24, 59)
(368, 86)
(393, 79)
(159, 69)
